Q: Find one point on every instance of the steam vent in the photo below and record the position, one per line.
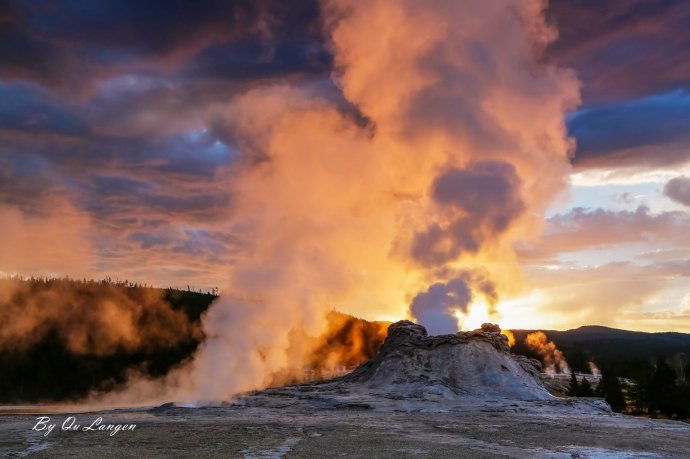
(476, 363)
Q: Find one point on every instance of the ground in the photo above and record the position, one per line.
(301, 423)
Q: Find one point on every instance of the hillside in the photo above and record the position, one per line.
(62, 338)
(628, 351)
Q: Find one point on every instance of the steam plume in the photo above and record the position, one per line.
(511, 337)
(594, 369)
(554, 360)
(93, 318)
(456, 146)
(465, 146)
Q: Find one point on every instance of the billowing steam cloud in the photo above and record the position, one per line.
(440, 305)
(554, 360)
(436, 307)
(457, 147)
(97, 319)
(480, 202)
(444, 144)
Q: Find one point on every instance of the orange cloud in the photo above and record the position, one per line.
(52, 241)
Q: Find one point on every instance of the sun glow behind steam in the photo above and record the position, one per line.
(457, 149)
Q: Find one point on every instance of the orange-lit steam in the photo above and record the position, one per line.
(90, 318)
(346, 343)
(554, 360)
(510, 336)
(456, 146)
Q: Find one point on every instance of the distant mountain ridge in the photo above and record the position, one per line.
(609, 346)
(47, 369)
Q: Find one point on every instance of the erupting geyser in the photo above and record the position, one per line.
(443, 146)
(397, 191)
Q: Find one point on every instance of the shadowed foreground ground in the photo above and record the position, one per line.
(271, 427)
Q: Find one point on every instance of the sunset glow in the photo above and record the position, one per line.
(451, 163)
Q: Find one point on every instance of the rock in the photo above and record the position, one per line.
(161, 408)
(474, 363)
(556, 386)
(492, 328)
(531, 366)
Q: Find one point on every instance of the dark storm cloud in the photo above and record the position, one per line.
(72, 44)
(193, 242)
(481, 200)
(23, 55)
(653, 131)
(633, 58)
(168, 189)
(120, 196)
(250, 60)
(678, 189)
(30, 109)
(623, 49)
(28, 182)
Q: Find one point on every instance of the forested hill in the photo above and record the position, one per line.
(62, 338)
(611, 346)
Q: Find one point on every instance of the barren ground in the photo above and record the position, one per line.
(298, 422)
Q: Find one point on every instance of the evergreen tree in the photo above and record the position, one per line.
(609, 388)
(586, 388)
(574, 389)
(662, 389)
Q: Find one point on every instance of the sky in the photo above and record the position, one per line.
(181, 143)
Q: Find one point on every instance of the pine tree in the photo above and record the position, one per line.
(574, 389)
(662, 389)
(610, 389)
(586, 388)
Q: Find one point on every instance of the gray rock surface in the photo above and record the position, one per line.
(476, 363)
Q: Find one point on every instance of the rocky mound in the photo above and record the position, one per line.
(476, 363)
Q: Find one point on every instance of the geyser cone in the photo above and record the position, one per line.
(477, 363)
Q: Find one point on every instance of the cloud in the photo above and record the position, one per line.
(115, 109)
(632, 58)
(597, 266)
(613, 294)
(650, 132)
(480, 202)
(665, 317)
(435, 308)
(74, 48)
(678, 189)
(55, 239)
(623, 50)
(583, 229)
(148, 170)
(29, 109)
